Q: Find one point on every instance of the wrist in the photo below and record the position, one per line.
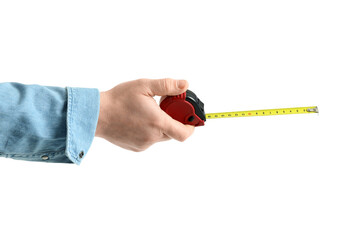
(100, 127)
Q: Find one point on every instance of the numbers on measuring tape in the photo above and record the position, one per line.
(266, 112)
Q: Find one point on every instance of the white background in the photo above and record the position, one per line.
(283, 177)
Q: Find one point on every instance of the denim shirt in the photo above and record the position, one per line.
(47, 124)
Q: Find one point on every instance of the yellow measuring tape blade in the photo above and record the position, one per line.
(265, 112)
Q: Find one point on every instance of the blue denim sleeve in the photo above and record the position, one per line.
(48, 124)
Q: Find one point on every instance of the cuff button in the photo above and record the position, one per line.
(81, 154)
(45, 157)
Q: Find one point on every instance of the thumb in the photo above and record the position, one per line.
(166, 86)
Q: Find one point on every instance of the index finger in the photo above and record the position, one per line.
(176, 129)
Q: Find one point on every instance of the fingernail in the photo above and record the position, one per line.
(181, 84)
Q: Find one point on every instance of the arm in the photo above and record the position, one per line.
(52, 124)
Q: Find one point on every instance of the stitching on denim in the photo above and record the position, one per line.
(72, 116)
(70, 120)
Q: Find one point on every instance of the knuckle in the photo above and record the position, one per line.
(139, 149)
(142, 148)
(182, 138)
(143, 81)
(166, 84)
(159, 122)
(145, 141)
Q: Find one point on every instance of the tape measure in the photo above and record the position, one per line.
(188, 109)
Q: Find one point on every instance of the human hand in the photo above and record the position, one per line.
(130, 117)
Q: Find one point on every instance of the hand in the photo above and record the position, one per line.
(130, 117)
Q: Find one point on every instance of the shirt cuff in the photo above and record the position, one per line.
(81, 121)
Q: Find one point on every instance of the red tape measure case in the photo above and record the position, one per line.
(185, 108)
